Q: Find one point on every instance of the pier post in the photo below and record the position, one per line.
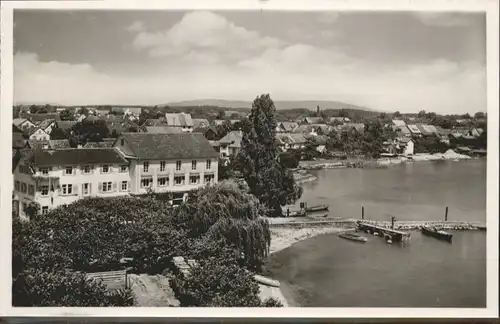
(446, 214)
(392, 221)
(363, 212)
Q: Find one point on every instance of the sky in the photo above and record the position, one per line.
(389, 61)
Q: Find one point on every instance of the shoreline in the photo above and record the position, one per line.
(381, 162)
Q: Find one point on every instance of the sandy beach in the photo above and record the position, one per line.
(282, 238)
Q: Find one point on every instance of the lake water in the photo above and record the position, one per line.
(327, 271)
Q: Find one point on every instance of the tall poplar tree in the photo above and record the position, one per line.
(267, 179)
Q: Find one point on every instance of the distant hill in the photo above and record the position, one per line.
(310, 105)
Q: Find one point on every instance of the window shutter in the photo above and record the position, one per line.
(74, 171)
(75, 189)
(128, 186)
(90, 188)
(100, 187)
(114, 186)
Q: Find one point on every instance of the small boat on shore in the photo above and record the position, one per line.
(316, 208)
(439, 234)
(353, 237)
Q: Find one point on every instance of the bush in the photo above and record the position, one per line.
(215, 284)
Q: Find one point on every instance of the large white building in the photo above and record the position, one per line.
(137, 163)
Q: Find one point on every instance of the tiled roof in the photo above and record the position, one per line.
(289, 126)
(232, 139)
(197, 122)
(414, 129)
(179, 120)
(314, 120)
(76, 156)
(163, 129)
(154, 122)
(18, 121)
(36, 144)
(65, 124)
(36, 118)
(98, 144)
(297, 138)
(399, 122)
(46, 123)
(59, 144)
(169, 146)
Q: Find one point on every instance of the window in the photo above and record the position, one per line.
(45, 210)
(67, 189)
(44, 170)
(162, 166)
(24, 187)
(194, 179)
(178, 165)
(86, 169)
(123, 168)
(193, 165)
(146, 182)
(146, 166)
(69, 170)
(124, 186)
(209, 178)
(105, 168)
(17, 185)
(31, 189)
(179, 180)
(209, 164)
(107, 186)
(163, 181)
(44, 190)
(86, 189)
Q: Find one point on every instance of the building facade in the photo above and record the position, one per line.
(137, 164)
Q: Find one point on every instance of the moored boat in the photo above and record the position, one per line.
(316, 208)
(353, 237)
(439, 234)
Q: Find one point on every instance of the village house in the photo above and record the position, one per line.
(313, 120)
(427, 130)
(127, 111)
(53, 178)
(103, 144)
(200, 123)
(286, 127)
(352, 128)
(23, 123)
(298, 141)
(48, 145)
(37, 134)
(338, 120)
(160, 129)
(180, 120)
(403, 146)
(414, 130)
(209, 132)
(47, 125)
(230, 144)
(176, 163)
(38, 118)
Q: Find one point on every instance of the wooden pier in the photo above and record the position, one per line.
(394, 234)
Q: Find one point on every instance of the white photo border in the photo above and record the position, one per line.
(490, 7)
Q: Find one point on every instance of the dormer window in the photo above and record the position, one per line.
(146, 166)
(105, 168)
(69, 170)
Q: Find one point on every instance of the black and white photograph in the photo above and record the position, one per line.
(267, 158)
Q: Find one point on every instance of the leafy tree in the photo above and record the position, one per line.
(212, 284)
(66, 114)
(267, 179)
(39, 277)
(83, 111)
(421, 114)
(396, 114)
(479, 115)
(225, 212)
(373, 139)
